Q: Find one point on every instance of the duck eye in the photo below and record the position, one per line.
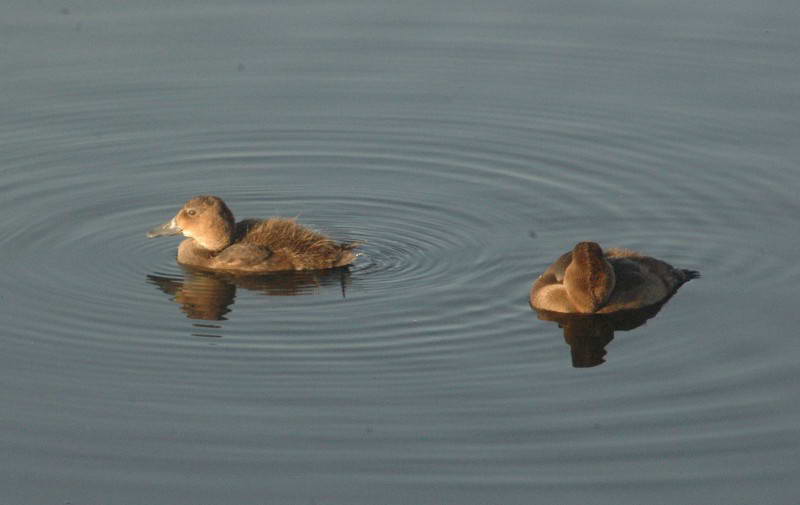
(191, 212)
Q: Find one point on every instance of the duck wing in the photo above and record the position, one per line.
(242, 257)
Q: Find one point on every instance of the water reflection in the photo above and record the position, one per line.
(209, 296)
(588, 335)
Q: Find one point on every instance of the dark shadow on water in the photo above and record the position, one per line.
(210, 296)
(589, 334)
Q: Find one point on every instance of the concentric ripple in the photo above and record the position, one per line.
(466, 147)
(453, 216)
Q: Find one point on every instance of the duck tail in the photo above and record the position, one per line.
(690, 274)
(348, 253)
(349, 246)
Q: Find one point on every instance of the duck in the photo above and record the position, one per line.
(588, 280)
(216, 242)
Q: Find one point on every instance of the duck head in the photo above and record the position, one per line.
(589, 279)
(206, 219)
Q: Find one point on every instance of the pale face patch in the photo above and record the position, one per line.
(186, 233)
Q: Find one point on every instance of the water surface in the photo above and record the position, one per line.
(468, 146)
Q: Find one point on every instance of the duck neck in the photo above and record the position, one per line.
(217, 237)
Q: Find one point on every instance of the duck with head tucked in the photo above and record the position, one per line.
(588, 280)
(251, 246)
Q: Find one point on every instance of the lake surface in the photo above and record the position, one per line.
(468, 145)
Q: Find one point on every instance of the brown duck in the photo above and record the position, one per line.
(217, 242)
(588, 280)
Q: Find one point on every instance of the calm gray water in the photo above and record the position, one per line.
(468, 145)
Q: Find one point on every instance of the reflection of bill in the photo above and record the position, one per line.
(209, 296)
(588, 335)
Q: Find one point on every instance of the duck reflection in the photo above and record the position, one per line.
(588, 335)
(210, 295)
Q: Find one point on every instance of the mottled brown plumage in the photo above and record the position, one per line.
(301, 245)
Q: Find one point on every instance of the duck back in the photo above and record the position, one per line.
(295, 244)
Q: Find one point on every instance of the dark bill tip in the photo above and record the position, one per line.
(168, 228)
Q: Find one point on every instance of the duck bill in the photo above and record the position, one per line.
(168, 228)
